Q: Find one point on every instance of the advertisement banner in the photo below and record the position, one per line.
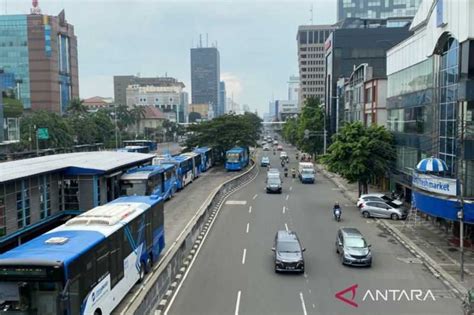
(438, 185)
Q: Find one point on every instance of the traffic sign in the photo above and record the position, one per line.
(42, 133)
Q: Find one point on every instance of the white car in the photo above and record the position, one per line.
(377, 197)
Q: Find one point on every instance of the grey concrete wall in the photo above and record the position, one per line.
(86, 193)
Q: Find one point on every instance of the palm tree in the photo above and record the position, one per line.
(76, 106)
(137, 113)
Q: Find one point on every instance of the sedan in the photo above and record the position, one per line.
(377, 197)
(378, 209)
(266, 148)
(265, 161)
(280, 147)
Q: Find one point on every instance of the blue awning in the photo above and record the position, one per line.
(441, 207)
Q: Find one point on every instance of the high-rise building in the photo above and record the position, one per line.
(41, 52)
(311, 40)
(380, 9)
(293, 88)
(205, 77)
(354, 42)
(222, 99)
(163, 85)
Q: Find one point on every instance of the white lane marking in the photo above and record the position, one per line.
(255, 196)
(243, 256)
(314, 306)
(302, 304)
(250, 209)
(286, 227)
(310, 291)
(284, 208)
(287, 196)
(237, 304)
(248, 226)
(236, 202)
(291, 188)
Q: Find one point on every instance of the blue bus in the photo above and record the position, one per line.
(236, 158)
(206, 157)
(197, 162)
(184, 168)
(150, 180)
(88, 264)
(134, 148)
(152, 146)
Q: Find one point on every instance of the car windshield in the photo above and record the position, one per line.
(274, 180)
(29, 297)
(233, 157)
(307, 171)
(356, 242)
(288, 247)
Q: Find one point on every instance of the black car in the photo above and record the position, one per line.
(288, 252)
(273, 184)
(352, 248)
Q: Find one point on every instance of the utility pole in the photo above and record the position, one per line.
(116, 129)
(460, 177)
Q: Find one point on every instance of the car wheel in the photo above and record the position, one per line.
(366, 214)
(141, 273)
(276, 270)
(148, 264)
(394, 216)
(341, 258)
(337, 250)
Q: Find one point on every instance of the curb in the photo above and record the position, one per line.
(455, 286)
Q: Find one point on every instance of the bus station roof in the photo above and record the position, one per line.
(79, 163)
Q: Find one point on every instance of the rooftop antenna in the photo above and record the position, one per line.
(200, 40)
(311, 10)
(207, 40)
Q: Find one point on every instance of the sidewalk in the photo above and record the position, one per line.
(427, 242)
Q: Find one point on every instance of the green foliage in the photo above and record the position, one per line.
(311, 119)
(12, 107)
(60, 133)
(224, 132)
(359, 153)
(76, 106)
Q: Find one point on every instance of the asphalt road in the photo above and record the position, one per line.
(233, 271)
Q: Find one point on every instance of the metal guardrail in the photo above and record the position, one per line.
(156, 286)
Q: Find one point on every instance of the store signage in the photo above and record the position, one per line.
(439, 185)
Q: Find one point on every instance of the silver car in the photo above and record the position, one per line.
(378, 209)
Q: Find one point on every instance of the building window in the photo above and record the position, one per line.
(45, 196)
(71, 194)
(448, 79)
(23, 204)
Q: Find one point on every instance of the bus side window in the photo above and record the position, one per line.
(116, 258)
(102, 260)
(74, 296)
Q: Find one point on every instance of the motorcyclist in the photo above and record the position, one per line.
(293, 172)
(336, 206)
(282, 163)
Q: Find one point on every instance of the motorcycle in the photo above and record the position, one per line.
(337, 214)
(293, 173)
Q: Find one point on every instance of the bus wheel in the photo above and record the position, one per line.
(141, 273)
(98, 312)
(149, 264)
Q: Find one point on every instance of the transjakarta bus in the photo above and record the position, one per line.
(87, 265)
(206, 157)
(236, 159)
(135, 148)
(150, 180)
(184, 168)
(152, 146)
(196, 160)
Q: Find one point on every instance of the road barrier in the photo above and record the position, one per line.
(154, 293)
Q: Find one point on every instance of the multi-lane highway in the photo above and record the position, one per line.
(233, 273)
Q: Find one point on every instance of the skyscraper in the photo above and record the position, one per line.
(381, 9)
(205, 77)
(41, 52)
(222, 99)
(310, 41)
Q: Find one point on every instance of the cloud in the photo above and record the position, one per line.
(233, 85)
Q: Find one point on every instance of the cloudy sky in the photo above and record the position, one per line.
(256, 40)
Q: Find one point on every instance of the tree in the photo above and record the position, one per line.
(137, 114)
(76, 106)
(359, 153)
(124, 117)
(60, 133)
(311, 119)
(290, 130)
(226, 131)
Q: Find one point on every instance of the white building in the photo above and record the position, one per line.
(286, 108)
(294, 88)
(166, 98)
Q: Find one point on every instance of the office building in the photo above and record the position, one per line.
(222, 99)
(430, 104)
(354, 42)
(294, 88)
(9, 119)
(164, 92)
(286, 109)
(169, 98)
(376, 9)
(205, 77)
(41, 52)
(310, 41)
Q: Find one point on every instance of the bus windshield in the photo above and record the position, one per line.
(233, 157)
(30, 297)
(134, 187)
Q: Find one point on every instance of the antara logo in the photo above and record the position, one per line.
(384, 295)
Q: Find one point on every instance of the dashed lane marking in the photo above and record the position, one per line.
(286, 227)
(236, 202)
(248, 226)
(255, 196)
(302, 303)
(243, 256)
(284, 208)
(250, 209)
(287, 196)
(237, 303)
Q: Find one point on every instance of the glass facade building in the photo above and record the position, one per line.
(14, 56)
(372, 9)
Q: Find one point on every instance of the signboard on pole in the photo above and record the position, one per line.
(43, 133)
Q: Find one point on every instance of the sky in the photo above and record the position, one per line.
(256, 40)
